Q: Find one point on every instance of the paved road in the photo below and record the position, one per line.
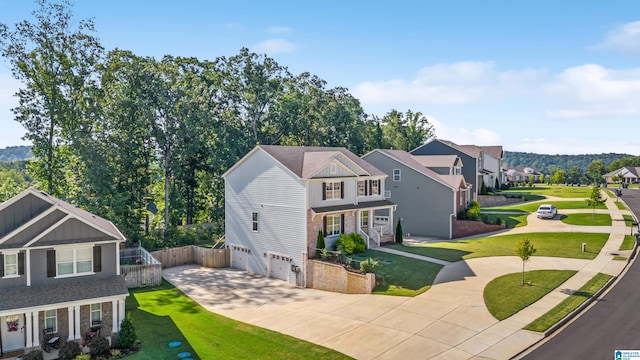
(612, 323)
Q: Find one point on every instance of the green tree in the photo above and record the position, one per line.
(405, 131)
(559, 177)
(525, 250)
(574, 174)
(127, 335)
(55, 58)
(595, 170)
(399, 232)
(596, 199)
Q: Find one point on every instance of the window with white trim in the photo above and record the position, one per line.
(254, 221)
(51, 320)
(396, 174)
(387, 194)
(362, 188)
(96, 312)
(364, 218)
(74, 261)
(333, 190)
(333, 225)
(11, 265)
(375, 187)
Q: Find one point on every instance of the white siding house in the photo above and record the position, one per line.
(277, 199)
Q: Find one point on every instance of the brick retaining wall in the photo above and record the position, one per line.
(334, 277)
(498, 200)
(464, 228)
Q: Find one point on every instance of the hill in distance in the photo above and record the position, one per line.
(15, 153)
(544, 162)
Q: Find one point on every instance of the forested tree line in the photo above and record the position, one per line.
(122, 135)
(547, 164)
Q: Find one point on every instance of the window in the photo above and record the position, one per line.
(51, 320)
(74, 261)
(362, 188)
(387, 194)
(10, 265)
(254, 221)
(333, 225)
(364, 218)
(396, 174)
(457, 170)
(375, 187)
(333, 190)
(96, 312)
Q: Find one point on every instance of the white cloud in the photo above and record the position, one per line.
(8, 87)
(573, 146)
(464, 136)
(457, 83)
(275, 46)
(624, 38)
(279, 29)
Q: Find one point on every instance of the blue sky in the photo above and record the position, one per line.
(539, 76)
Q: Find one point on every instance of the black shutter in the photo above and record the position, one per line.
(324, 225)
(1, 265)
(21, 263)
(97, 259)
(366, 188)
(51, 263)
(324, 191)
(341, 189)
(379, 188)
(370, 187)
(341, 223)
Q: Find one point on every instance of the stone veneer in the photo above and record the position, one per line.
(334, 277)
(314, 225)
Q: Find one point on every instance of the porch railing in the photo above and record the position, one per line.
(365, 236)
(375, 235)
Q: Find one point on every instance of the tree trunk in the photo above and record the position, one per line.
(167, 181)
(523, 273)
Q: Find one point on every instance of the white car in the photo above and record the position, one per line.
(547, 211)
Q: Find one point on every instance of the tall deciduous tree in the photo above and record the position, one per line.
(595, 170)
(55, 58)
(405, 131)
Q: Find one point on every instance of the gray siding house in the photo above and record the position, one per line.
(59, 270)
(427, 202)
(277, 199)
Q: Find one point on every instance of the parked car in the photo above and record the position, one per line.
(547, 211)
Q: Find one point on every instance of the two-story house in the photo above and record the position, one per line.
(59, 272)
(441, 164)
(277, 199)
(427, 202)
(493, 165)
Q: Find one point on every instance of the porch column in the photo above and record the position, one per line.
(71, 322)
(120, 313)
(27, 265)
(114, 316)
(392, 229)
(117, 258)
(36, 328)
(28, 328)
(76, 310)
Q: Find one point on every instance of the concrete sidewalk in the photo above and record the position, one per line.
(450, 321)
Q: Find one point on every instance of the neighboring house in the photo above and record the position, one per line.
(493, 165)
(442, 164)
(277, 199)
(629, 175)
(427, 201)
(59, 270)
(520, 174)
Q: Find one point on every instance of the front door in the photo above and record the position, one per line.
(12, 332)
(364, 220)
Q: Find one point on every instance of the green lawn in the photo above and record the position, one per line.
(400, 275)
(505, 295)
(610, 193)
(620, 205)
(569, 304)
(533, 207)
(568, 245)
(628, 220)
(628, 242)
(511, 221)
(554, 190)
(587, 219)
(163, 314)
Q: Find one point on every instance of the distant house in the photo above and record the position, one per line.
(522, 174)
(427, 202)
(628, 175)
(277, 199)
(59, 272)
(492, 164)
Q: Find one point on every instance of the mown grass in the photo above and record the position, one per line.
(510, 220)
(628, 220)
(586, 219)
(566, 244)
(533, 207)
(505, 295)
(554, 190)
(628, 242)
(620, 205)
(400, 275)
(569, 304)
(162, 314)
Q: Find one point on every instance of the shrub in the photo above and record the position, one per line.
(83, 357)
(399, 232)
(69, 350)
(321, 244)
(473, 214)
(485, 218)
(127, 336)
(498, 221)
(33, 355)
(462, 215)
(115, 352)
(98, 346)
(352, 243)
(324, 254)
(483, 189)
(367, 266)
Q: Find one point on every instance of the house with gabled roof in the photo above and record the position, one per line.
(59, 272)
(278, 198)
(442, 164)
(627, 174)
(427, 202)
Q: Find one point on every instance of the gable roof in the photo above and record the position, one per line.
(436, 160)
(474, 153)
(410, 161)
(304, 161)
(630, 169)
(473, 150)
(494, 151)
(46, 214)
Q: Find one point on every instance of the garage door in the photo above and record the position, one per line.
(280, 267)
(239, 257)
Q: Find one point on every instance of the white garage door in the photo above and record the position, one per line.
(239, 257)
(280, 267)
